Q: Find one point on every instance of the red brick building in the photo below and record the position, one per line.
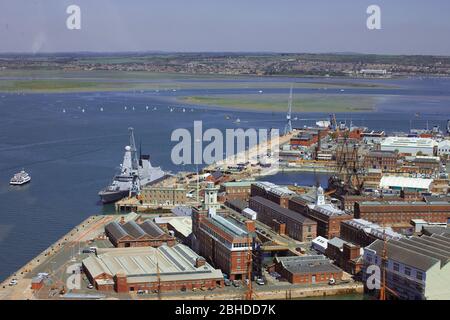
(308, 137)
(327, 216)
(270, 191)
(132, 269)
(346, 255)
(225, 243)
(312, 269)
(292, 223)
(363, 232)
(131, 234)
(236, 190)
(387, 161)
(401, 213)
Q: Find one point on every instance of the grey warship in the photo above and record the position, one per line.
(134, 174)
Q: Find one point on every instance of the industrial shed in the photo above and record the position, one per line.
(307, 269)
(146, 268)
(131, 234)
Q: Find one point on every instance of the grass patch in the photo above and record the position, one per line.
(274, 102)
(46, 80)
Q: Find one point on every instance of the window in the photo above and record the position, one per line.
(419, 275)
(396, 266)
(407, 271)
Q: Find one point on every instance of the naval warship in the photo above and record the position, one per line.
(134, 174)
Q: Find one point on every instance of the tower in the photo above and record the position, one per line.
(210, 202)
(288, 127)
(320, 197)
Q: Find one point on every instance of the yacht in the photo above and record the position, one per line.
(20, 178)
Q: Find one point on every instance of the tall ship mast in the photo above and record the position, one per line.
(135, 172)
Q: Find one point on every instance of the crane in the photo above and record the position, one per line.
(384, 258)
(249, 292)
(288, 127)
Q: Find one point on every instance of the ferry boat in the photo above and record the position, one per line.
(20, 178)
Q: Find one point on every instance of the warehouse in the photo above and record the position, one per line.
(152, 269)
(417, 268)
(411, 146)
(284, 221)
(307, 269)
(400, 214)
(406, 183)
(363, 232)
(131, 234)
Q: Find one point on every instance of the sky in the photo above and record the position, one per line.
(317, 26)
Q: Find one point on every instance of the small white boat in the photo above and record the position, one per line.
(20, 178)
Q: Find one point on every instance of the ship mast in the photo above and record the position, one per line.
(134, 159)
(288, 127)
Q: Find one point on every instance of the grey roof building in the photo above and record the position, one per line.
(307, 269)
(417, 267)
(131, 234)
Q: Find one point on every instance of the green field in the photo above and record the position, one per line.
(301, 103)
(80, 81)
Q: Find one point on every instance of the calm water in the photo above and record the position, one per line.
(72, 155)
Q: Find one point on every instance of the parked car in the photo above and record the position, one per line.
(260, 281)
(227, 282)
(43, 275)
(90, 286)
(13, 282)
(140, 292)
(236, 283)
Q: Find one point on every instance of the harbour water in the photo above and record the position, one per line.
(71, 155)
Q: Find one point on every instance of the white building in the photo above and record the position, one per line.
(444, 147)
(413, 146)
(405, 183)
(249, 214)
(320, 244)
(373, 137)
(416, 269)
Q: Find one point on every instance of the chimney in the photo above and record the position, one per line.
(250, 224)
(122, 220)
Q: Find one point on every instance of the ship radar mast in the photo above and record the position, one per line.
(288, 127)
(134, 160)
